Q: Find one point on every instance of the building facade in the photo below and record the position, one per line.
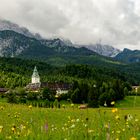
(36, 84)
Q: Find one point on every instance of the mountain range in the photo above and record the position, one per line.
(13, 44)
(105, 50)
(16, 41)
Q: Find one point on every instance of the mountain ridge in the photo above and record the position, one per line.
(129, 56)
(31, 48)
(19, 41)
(104, 50)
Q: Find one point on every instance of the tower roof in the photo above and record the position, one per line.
(35, 73)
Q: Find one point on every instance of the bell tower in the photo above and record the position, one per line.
(35, 76)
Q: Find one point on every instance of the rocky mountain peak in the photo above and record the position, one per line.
(7, 25)
(105, 50)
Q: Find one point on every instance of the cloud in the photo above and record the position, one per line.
(39, 16)
(115, 22)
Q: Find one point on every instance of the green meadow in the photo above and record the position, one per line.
(22, 122)
(129, 101)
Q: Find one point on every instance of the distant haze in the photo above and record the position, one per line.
(113, 22)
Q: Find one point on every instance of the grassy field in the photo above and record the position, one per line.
(129, 101)
(70, 123)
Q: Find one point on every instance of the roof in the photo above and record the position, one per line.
(50, 85)
(35, 73)
(56, 85)
(135, 87)
(33, 86)
(3, 89)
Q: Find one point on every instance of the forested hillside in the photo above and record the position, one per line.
(17, 72)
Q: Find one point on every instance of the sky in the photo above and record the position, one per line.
(113, 22)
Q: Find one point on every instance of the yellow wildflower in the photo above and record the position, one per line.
(30, 106)
(22, 127)
(90, 131)
(8, 137)
(13, 129)
(129, 117)
(113, 102)
(77, 120)
(85, 125)
(114, 110)
(72, 105)
(117, 117)
(106, 126)
(2, 108)
(126, 123)
(56, 96)
(118, 131)
(28, 132)
(136, 120)
(72, 126)
(1, 128)
(18, 133)
(133, 138)
(73, 120)
(63, 106)
(127, 126)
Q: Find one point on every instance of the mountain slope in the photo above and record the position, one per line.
(51, 51)
(59, 46)
(129, 56)
(12, 43)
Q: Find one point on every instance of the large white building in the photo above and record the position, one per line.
(36, 84)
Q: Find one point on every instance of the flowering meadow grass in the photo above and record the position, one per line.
(70, 123)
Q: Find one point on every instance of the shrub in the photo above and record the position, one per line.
(12, 98)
